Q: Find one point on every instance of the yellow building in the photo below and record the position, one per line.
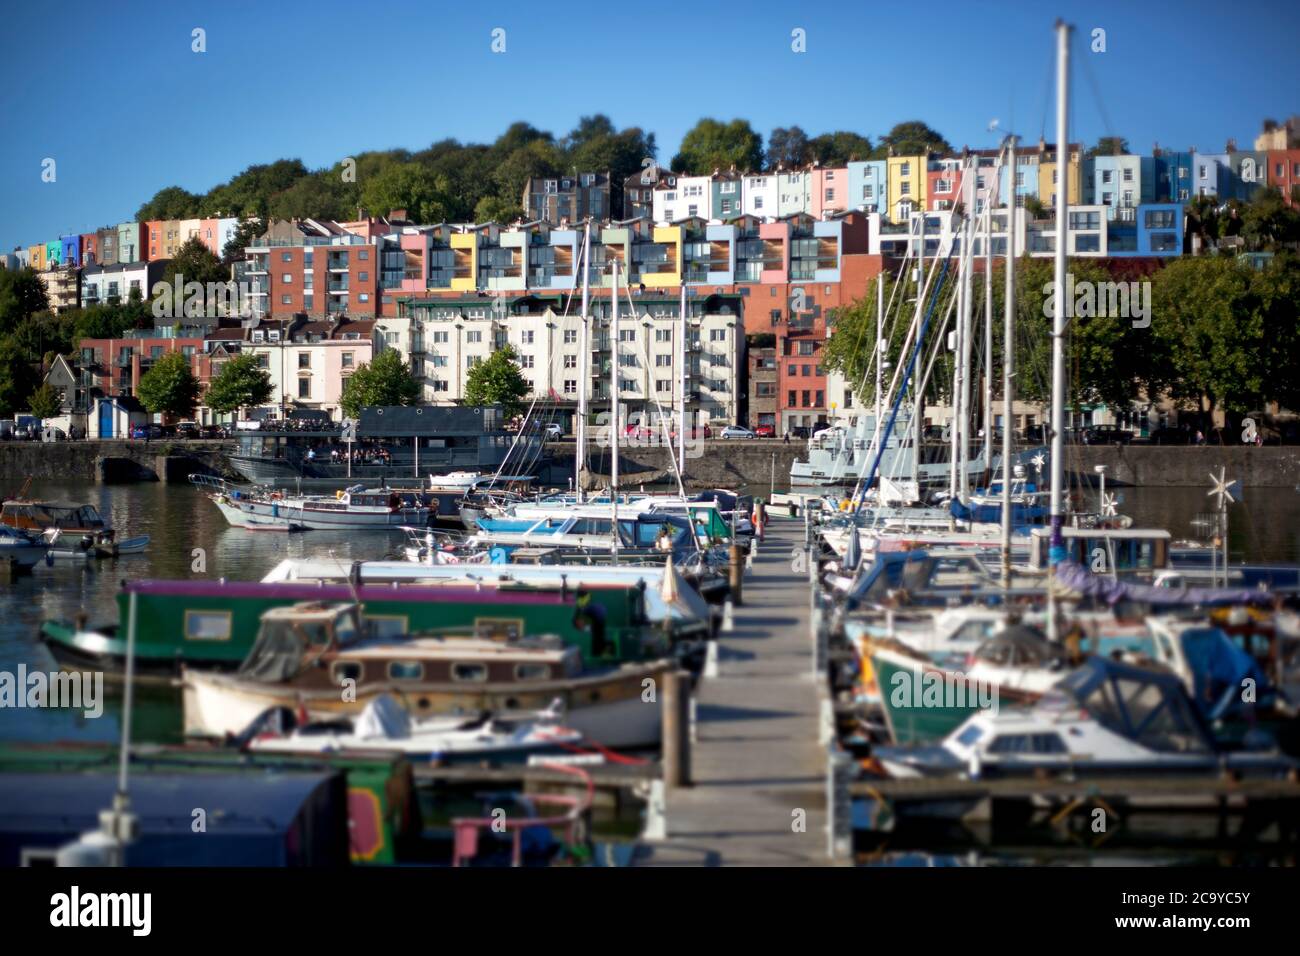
(36, 257)
(907, 185)
(663, 271)
(1047, 179)
(464, 258)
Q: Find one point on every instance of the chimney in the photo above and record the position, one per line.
(1232, 145)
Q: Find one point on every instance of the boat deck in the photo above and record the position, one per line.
(756, 760)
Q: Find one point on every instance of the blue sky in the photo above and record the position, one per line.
(115, 95)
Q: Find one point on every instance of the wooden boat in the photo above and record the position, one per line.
(322, 658)
(69, 527)
(354, 509)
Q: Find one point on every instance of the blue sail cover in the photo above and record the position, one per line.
(1082, 581)
(1021, 515)
(1218, 669)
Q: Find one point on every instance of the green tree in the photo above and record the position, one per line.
(22, 294)
(18, 378)
(243, 236)
(406, 186)
(241, 383)
(711, 145)
(1109, 146)
(788, 147)
(497, 209)
(1267, 221)
(839, 148)
(45, 402)
(170, 202)
(170, 388)
(497, 381)
(386, 380)
(194, 262)
(1207, 314)
(251, 192)
(911, 138)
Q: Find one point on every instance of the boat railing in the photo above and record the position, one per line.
(210, 483)
(466, 831)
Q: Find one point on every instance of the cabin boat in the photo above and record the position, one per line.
(20, 549)
(307, 652)
(594, 532)
(69, 527)
(1103, 719)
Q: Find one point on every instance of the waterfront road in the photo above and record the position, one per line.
(759, 776)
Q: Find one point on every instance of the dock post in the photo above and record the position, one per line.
(839, 806)
(676, 708)
(737, 574)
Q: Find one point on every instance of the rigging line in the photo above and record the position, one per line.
(895, 383)
(1096, 93)
(911, 364)
(663, 422)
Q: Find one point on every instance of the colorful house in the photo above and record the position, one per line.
(868, 185)
(907, 186)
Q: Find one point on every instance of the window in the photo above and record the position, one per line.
(286, 278)
(663, 361)
(792, 371)
(663, 385)
(570, 386)
(441, 385)
(1160, 219)
(1164, 242)
(474, 337)
(570, 336)
(304, 387)
(692, 211)
(363, 254)
(830, 195)
(348, 358)
(304, 360)
(207, 625)
(790, 399)
(363, 297)
(440, 337)
(1105, 175)
(868, 192)
(905, 169)
(758, 202)
(286, 300)
(663, 335)
(728, 188)
(363, 276)
(717, 335)
(284, 256)
(526, 337)
(467, 671)
(570, 361)
(405, 670)
(1128, 174)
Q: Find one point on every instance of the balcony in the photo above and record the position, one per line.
(338, 285)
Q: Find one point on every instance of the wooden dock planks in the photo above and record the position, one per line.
(759, 775)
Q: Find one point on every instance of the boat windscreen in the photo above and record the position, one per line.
(1147, 708)
(276, 656)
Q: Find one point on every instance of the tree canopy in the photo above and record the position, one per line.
(711, 144)
(241, 383)
(385, 380)
(169, 387)
(497, 381)
(911, 138)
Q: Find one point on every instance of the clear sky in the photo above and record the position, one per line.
(113, 93)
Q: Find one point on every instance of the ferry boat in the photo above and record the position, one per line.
(305, 652)
(354, 509)
(392, 444)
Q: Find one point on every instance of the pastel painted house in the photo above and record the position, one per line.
(1210, 173)
(1174, 179)
(907, 186)
(692, 196)
(708, 253)
(868, 185)
(828, 190)
(760, 195)
(793, 187)
(1121, 184)
(1049, 177)
(728, 194)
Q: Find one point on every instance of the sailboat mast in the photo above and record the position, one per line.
(614, 402)
(880, 344)
(988, 335)
(967, 337)
(584, 369)
(682, 378)
(1008, 354)
(1057, 543)
(918, 396)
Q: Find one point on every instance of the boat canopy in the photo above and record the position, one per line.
(1021, 646)
(1145, 705)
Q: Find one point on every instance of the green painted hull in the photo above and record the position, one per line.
(216, 625)
(914, 724)
(382, 806)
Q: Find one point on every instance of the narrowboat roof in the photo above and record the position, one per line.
(342, 593)
(461, 649)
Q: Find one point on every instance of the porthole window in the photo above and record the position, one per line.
(475, 673)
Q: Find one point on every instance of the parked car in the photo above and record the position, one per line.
(765, 431)
(736, 431)
(214, 431)
(147, 431)
(799, 431)
(552, 432)
(1106, 435)
(187, 430)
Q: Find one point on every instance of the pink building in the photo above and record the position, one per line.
(829, 190)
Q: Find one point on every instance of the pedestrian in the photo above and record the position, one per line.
(787, 436)
(1200, 438)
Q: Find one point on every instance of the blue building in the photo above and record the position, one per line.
(1174, 180)
(1155, 230)
(868, 187)
(70, 250)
